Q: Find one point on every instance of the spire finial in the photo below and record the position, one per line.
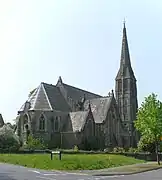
(60, 79)
(112, 92)
(89, 105)
(124, 22)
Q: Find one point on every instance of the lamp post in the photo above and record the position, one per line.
(130, 144)
(130, 135)
(61, 140)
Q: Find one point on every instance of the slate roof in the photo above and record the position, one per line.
(99, 107)
(78, 120)
(47, 97)
(55, 97)
(76, 93)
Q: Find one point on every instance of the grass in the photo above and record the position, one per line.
(69, 162)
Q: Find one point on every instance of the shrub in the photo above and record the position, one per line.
(108, 150)
(146, 145)
(76, 149)
(34, 143)
(118, 150)
(9, 141)
(133, 150)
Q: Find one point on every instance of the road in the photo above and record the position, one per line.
(12, 172)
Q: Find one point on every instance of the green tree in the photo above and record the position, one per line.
(8, 139)
(149, 121)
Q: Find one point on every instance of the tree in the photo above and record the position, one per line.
(149, 121)
(8, 139)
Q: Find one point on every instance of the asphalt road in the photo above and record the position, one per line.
(12, 172)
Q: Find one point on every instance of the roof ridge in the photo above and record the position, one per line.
(47, 96)
(37, 89)
(48, 84)
(102, 97)
(81, 89)
(86, 111)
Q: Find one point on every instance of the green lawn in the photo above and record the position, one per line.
(68, 162)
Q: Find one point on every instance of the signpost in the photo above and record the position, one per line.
(56, 152)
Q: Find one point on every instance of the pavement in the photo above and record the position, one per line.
(14, 172)
(123, 170)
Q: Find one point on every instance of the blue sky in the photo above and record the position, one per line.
(79, 40)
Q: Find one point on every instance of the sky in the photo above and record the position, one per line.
(79, 40)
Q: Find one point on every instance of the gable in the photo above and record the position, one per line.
(78, 120)
(99, 107)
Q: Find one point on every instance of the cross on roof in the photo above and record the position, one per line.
(124, 21)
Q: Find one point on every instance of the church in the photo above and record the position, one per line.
(65, 116)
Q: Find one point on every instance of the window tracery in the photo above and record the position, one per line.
(42, 122)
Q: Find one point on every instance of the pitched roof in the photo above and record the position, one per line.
(99, 107)
(55, 97)
(78, 120)
(1, 120)
(46, 97)
(77, 94)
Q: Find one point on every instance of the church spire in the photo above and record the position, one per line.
(125, 57)
(126, 88)
(125, 69)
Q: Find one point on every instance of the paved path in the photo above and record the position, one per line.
(12, 172)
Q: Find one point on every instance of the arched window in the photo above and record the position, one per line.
(25, 121)
(41, 123)
(90, 127)
(119, 85)
(125, 84)
(52, 124)
(119, 105)
(57, 123)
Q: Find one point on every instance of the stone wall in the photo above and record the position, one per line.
(70, 139)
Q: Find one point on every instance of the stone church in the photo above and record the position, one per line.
(65, 116)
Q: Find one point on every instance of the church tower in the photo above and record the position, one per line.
(126, 89)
